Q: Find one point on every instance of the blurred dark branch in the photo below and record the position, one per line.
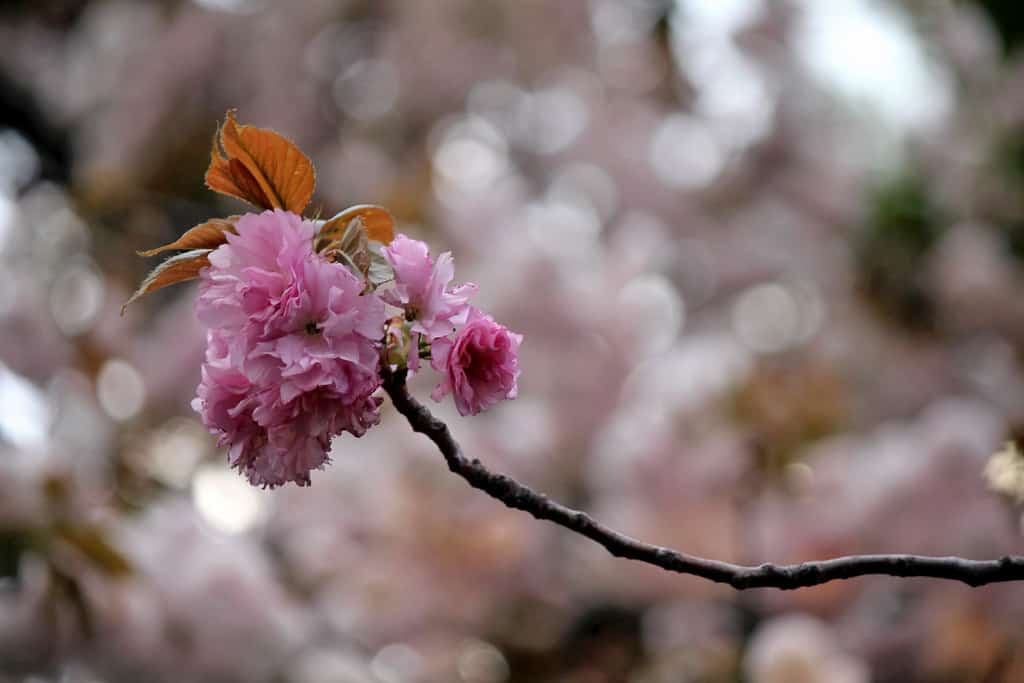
(20, 110)
(787, 577)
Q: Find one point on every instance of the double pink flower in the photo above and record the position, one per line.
(477, 356)
(292, 359)
(295, 341)
(480, 364)
(422, 288)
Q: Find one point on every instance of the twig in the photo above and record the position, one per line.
(516, 495)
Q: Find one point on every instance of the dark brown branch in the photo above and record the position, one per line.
(515, 495)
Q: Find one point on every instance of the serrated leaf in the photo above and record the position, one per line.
(219, 176)
(259, 166)
(178, 268)
(208, 235)
(375, 221)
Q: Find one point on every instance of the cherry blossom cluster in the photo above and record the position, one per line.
(297, 338)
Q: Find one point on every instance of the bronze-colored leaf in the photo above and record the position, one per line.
(251, 187)
(219, 177)
(208, 235)
(178, 268)
(260, 166)
(375, 222)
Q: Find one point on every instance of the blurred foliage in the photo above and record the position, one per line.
(786, 406)
(1008, 18)
(20, 111)
(12, 545)
(56, 13)
(1008, 179)
(901, 227)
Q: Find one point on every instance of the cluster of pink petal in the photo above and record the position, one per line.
(477, 356)
(292, 357)
(421, 288)
(480, 364)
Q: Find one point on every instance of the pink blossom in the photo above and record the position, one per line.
(421, 288)
(292, 357)
(327, 338)
(480, 365)
(254, 283)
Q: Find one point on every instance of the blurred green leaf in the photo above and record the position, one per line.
(12, 545)
(901, 227)
(1005, 187)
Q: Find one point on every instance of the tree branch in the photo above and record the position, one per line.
(787, 577)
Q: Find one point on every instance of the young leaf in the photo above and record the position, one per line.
(220, 177)
(374, 221)
(178, 268)
(380, 270)
(259, 166)
(355, 237)
(354, 240)
(208, 235)
(353, 249)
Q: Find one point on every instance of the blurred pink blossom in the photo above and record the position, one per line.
(480, 365)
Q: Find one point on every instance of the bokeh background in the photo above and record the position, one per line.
(768, 258)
